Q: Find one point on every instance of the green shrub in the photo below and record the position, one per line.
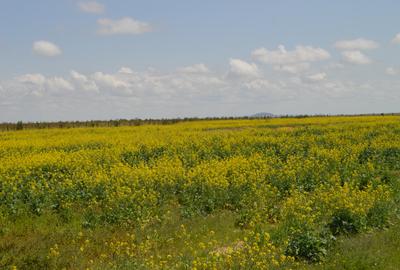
(307, 245)
(343, 222)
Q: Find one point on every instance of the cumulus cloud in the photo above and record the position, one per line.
(125, 83)
(125, 25)
(242, 68)
(355, 57)
(259, 84)
(112, 83)
(131, 93)
(83, 82)
(35, 78)
(46, 48)
(281, 56)
(54, 84)
(396, 39)
(244, 82)
(197, 68)
(125, 70)
(356, 44)
(58, 84)
(37, 84)
(91, 7)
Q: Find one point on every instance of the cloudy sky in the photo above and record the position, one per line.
(79, 60)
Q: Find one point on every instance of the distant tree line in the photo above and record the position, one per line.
(106, 123)
(139, 122)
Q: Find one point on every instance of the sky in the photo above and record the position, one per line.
(86, 60)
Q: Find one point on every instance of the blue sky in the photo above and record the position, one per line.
(77, 60)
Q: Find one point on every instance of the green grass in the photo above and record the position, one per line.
(26, 241)
(27, 244)
(376, 250)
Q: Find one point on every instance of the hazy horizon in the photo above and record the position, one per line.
(85, 60)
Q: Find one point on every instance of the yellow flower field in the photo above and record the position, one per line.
(221, 194)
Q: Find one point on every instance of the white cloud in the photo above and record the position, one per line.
(128, 93)
(356, 44)
(113, 84)
(356, 57)
(46, 48)
(109, 80)
(392, 71)
(58, 84)
(122, 26)
(125, 83)
(91, 7)
(125, 70)
(242, 68)
(293, 68)
(281, 56)
(38, 85)
(82, 82)
(317, 77)
(244, 81)
(396, 39)
(259, 84)
(197, 68)
(35, 78)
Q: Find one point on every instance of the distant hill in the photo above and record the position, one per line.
(263, 115)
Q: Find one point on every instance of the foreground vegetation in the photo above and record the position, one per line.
(374, 250)
(222, 194)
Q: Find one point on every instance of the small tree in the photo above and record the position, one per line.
(20, 125)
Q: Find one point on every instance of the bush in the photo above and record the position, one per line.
(307, 245)
(343, 222)
(19, 126)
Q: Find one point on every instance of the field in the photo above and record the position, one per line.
(290, 193)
